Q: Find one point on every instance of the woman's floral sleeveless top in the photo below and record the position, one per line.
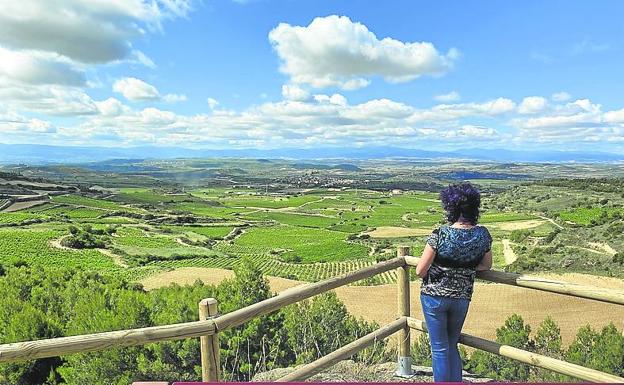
(458, 252)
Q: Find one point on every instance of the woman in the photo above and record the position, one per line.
(448, 266)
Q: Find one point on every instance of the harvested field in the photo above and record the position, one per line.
(209, 276)
(17, 206)
(491, 303)
(186, 276)
(516, 225)
(397, 232)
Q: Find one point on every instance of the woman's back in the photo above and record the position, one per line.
(458, 252)
(448, 266)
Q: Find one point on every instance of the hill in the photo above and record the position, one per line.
(41, 154)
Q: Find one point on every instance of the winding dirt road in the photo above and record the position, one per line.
(508, 252)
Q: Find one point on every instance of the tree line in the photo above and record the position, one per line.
(43, 302)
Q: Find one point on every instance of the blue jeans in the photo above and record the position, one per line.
(445, 317)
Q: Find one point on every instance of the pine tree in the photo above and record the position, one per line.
(548, 343)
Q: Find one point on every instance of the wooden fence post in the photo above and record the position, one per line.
(209, 345)
(403, 310)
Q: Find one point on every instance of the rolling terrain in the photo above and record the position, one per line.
(161, 222)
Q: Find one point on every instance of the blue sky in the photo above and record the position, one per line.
(270, 73)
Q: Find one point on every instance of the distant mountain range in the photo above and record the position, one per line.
(41, 154)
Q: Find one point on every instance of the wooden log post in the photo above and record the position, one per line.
(209, 345)
(403, 310)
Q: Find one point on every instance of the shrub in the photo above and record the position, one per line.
(514, 333)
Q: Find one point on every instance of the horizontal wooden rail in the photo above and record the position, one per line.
(30, 350)
(530, 358)
(559, 287)
(302, 292)
(346, 351)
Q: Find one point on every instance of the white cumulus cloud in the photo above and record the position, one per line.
(87, 31)
(561, 96)
(336, 99)
(444, 112)
(294, 92)
(452, 96)
(212, 103)
(111, 107)
(614, 116)
(335, 51)
(47, 47)
(476, 131)
(32, 67)
(14, 124)
(174, 98)
(136, 89)
(532, 105)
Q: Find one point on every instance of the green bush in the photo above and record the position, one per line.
(54, 302)
(514, 333)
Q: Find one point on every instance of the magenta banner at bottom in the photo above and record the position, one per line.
(345, 383)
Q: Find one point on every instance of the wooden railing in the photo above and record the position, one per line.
(211, 323)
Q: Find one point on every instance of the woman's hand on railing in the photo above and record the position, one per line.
(486, 262)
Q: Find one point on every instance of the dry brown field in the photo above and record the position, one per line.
(491, 303)
(397, 232)
(516, 225)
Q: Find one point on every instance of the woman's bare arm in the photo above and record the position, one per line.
(426, 259)
(486, 262)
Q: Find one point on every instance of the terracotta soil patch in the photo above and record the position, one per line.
(397, 232)
(490, 306)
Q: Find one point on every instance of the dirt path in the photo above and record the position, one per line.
(508, 252)
(116, 258)
(604, 247)
(236, 232)
(551, 221)
(283, 210)
(490, 306)
(334, 197)
(290, 209)
(57, 243)
(588, 249)
(181, 242)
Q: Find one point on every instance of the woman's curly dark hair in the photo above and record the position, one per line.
(461, 200)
